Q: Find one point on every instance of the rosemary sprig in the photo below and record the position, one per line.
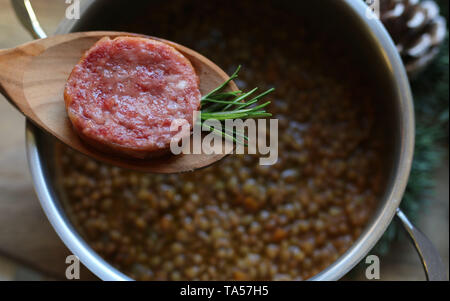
(222, 106)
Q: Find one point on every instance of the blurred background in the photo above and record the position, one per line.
(31, 250)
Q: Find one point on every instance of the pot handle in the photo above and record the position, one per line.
(27, 17)
(431, 260)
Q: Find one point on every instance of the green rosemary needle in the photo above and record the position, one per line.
(220, 105)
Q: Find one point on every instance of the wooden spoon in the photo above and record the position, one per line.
(33, 77)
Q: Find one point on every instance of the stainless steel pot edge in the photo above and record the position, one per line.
(66, 25)
(66, 233)
(433, 265)
(59, 221)
(403, 166)
(378, 226)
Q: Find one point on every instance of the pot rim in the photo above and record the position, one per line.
(345, 262)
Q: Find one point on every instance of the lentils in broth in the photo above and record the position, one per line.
(238, 220)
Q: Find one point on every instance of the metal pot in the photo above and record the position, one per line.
(366, 35)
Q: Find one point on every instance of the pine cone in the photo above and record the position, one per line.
(417, 29)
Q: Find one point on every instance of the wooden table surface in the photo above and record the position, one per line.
(25, 233)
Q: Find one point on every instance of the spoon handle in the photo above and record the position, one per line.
(10, 66)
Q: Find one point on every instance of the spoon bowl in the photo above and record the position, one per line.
(33, 77)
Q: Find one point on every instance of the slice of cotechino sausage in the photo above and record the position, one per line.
(124, 93)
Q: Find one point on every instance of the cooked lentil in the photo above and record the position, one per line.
(238, 220)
